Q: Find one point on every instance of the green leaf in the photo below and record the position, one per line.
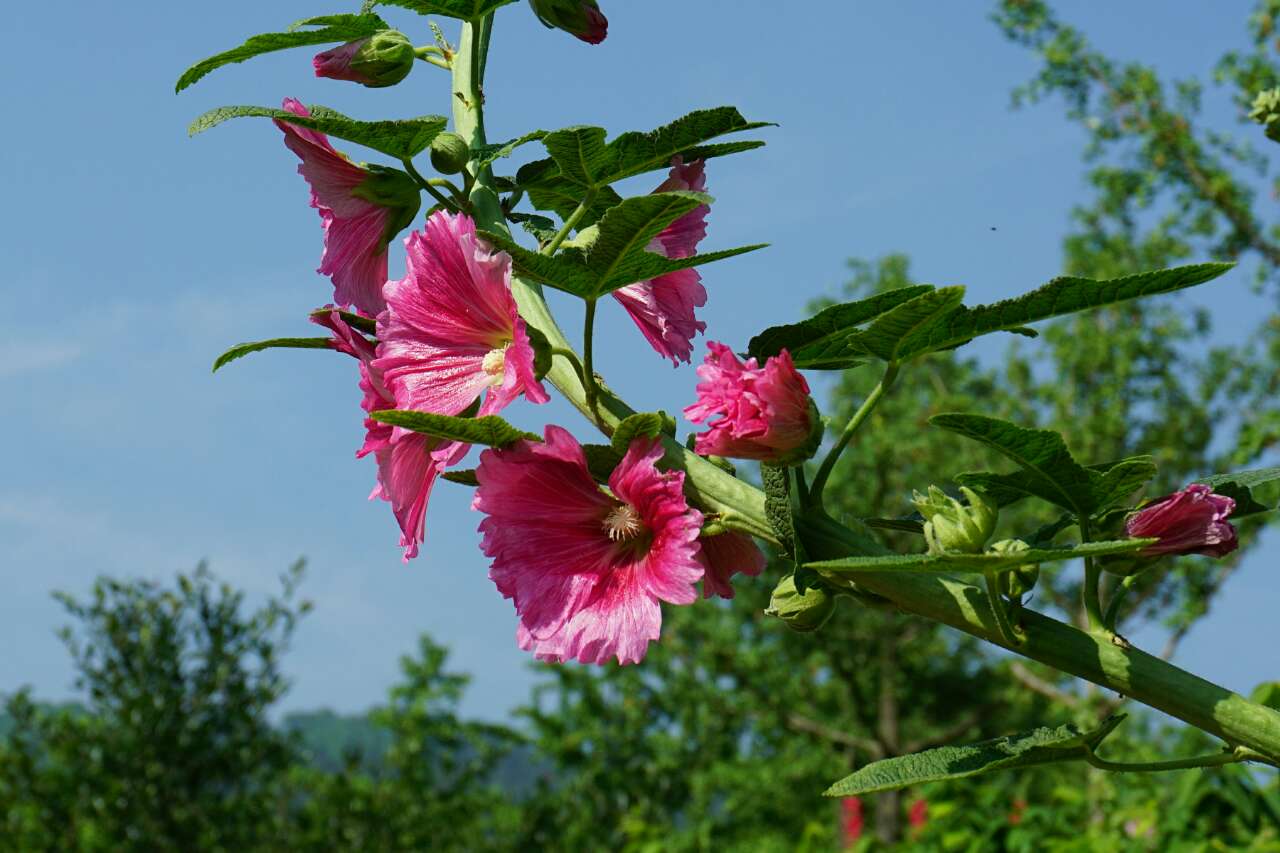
(907, 524)
(400, 138)
(619, 254)
(241, 350)
(976, 563)
(1042, 746)
(1267, 693)
(489, 154)
(1065, 295)
(601, 460)
(490, 430)
(886, 337)
(821, 341)
(466, 10)
(332, 28)
(360, 323)
(1239, 487)
(643, 425)
(464, 477)
(581, 160)
(777, 505)
(1109, 485)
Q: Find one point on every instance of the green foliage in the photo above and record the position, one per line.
(1041, 746)
(331, 28)
(399, 138)
(466, 10)
(241, 350)
(776, 481)
(490, 154)
(643, 425)
(490, 430)
(616, 251)
(888, 337)
(1240, 487)
(359, 322)
(975, 563)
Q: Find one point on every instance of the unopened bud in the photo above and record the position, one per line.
(801, 612)
(953, 527)
(1017, 582)
(449, 153)
(382, 59)
(581, 18)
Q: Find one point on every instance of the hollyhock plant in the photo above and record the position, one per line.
(451, 331)
(580, 18)
(587, 568)
(665, 308)
(408, 463)
(382, 59)
(724, 556)
(1190, 521)
(361, 210)
(763, 413)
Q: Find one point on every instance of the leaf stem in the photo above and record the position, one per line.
(449, 204)
(1092, 592)
(1112, 614)
(1217, 759)
(570, 223)
(588, 372)
(1001, 613)
(571, 357)
(864, 411)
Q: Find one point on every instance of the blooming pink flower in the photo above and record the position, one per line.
(586, 568)
(1192, 521)
(360, 210)
(724, 556)
(408, 462)
(761, 412)
(665, 308)
(451, 331)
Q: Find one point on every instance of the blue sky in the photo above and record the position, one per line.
(133, 256)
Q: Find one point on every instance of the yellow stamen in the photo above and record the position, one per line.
(623, 523)
(495, 365)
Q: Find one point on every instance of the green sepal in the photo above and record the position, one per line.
(802, 608)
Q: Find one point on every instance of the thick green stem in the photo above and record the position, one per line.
(1092, 591)
(1129, 671)
(864, 411)
(999, 611)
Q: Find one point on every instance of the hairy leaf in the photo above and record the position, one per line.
(466, 10)
(332, 28)
(777, 504)
(1065, 295)
(489, 154)
(1239, 487)
(885, 338)
(241, 350)
(490, 430)
(976, 563)
(464, 477)
(1042, 746)
(1109, 485)
(400, 138)
(821, 341)
(643, 425)
(359, 322)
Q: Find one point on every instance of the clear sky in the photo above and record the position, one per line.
(132, 256)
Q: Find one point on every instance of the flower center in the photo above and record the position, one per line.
(623, 523)
(495, 365)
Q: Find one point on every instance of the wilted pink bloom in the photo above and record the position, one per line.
(335, 63)
(1192, 521)
(360, 209)
(586, 568)
(581, 18)
(665, 308)
(724, 556)
(451, 331)
(760, 412)
(408, 462)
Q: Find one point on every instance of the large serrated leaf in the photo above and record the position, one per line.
(466, 10)
(487, 155)
(400, 138)
(1239, 487)
(976, 563)
(332, 28)
(821, 341)
(620, 254)
(1042, 746)
(490, 430)
(886, 337)
(241, 350)
(581, 160)
(1065, 295)
(1109, 485)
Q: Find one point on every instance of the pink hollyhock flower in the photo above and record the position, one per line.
(761, 413)
(724, 556)
(408, 462)
(586, 568)
(383, 59)
(1192, 521)
(851, 820)
(918, 815)
(361, 209)
(581, 18)
(665, 308)
(451, 331)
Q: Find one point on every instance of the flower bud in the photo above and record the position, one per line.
(1016, 583)
(449, 153)
(382, 59)
(953, 527)
(393, 190)
(581, 18)
(1192, 521)
(802, 613)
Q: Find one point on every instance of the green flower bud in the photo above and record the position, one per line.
(953, 527)
(449, 153)
(382, 59)
(802, 613)
(1016, 583)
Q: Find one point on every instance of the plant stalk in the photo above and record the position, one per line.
(864, 411)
